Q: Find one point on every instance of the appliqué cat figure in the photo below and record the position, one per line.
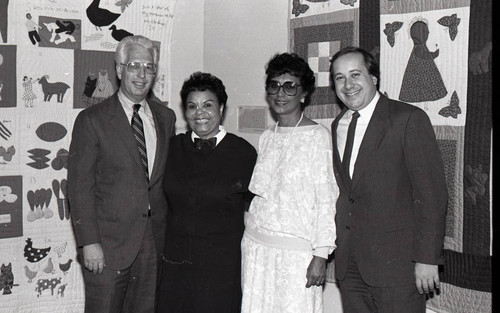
(6, 279)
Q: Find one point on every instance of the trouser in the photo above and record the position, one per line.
(34, 37)
(131, 290)
(358, 297)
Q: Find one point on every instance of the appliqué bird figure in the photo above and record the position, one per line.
(64, 267)
(29, 273)
(100, 17)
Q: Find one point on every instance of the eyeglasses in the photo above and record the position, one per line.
(290, 88)
(135, 67)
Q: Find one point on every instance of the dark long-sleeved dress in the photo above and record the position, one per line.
(207, 196)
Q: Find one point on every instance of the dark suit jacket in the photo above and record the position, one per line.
(393, 213)
(107, 189)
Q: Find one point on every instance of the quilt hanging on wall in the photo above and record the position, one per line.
(435, 55)
(56, 58)
(318, 29)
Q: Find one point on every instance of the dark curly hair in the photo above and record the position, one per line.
(294, 65)
(199, 81)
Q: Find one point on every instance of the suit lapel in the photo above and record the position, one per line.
(344, 181)
(161, 140)
(118, 119)
(373, 136)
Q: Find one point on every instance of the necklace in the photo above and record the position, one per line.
(270, 179)
(285, 145)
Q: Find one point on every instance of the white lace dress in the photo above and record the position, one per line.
(295, 199)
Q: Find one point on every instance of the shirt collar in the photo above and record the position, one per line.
(128, 104)
(367, 112)
(220, 135)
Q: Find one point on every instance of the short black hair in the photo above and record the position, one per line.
(199, 81)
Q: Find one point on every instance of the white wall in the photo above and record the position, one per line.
(240, 37)
(232, 39)
(187, 50)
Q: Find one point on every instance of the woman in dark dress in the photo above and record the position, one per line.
(206, 183)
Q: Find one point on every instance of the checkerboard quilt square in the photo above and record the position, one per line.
(313, 64)
(323, 48)
(323, 64)
(322, 79)
(312, 49)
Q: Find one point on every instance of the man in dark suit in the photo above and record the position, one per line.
(115, 173)
(392, 204)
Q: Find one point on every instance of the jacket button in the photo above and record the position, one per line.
(348, 227)
(351, 200)
(149, 188)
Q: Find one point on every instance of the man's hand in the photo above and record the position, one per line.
(427, 277)
(93, 258)
(316, 272)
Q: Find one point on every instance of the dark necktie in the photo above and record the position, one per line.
(346, 159)
(205, 144)
(138, 131)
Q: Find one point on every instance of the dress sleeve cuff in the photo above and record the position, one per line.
(321, 252)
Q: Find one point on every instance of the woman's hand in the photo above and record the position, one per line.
(316, 272)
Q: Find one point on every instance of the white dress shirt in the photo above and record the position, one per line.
(365, 115)
(147, 122)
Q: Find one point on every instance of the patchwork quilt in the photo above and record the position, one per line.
(56, 58)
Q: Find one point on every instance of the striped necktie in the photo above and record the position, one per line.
(138, 131)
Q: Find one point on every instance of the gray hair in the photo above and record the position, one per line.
(125, 43)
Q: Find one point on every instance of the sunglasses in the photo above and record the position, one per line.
(289, 88)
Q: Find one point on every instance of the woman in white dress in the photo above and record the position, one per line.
(290, 226)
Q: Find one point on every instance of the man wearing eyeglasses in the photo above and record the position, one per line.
(115, 172)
